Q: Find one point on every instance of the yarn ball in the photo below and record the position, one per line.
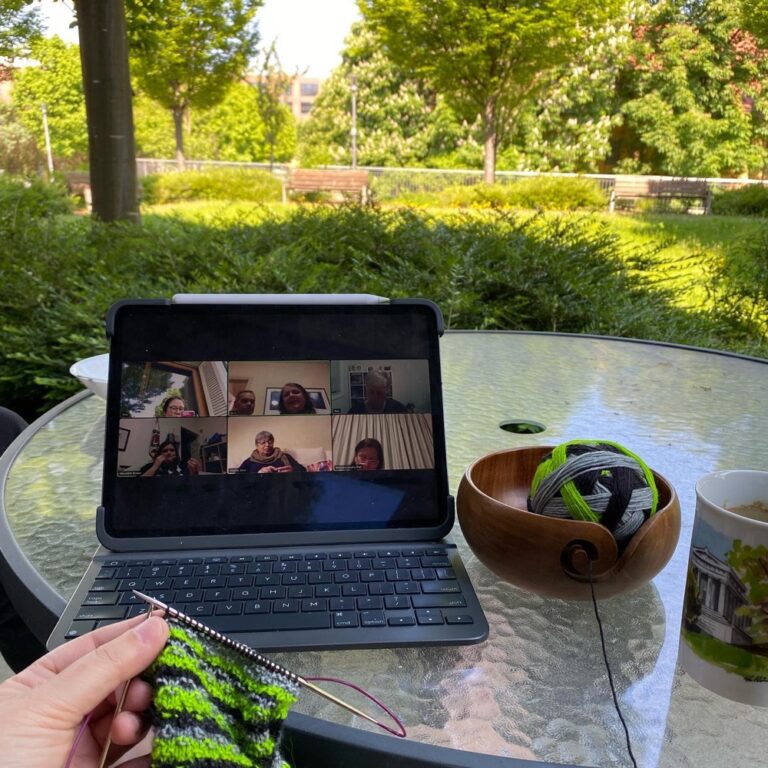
(598, 481)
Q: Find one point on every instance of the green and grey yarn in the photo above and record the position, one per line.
(214, 707)
(598, 481)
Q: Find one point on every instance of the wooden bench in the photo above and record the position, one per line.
(340, 183)
(79, 183)
(660, 188)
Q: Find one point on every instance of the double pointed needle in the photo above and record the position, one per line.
(249, 653)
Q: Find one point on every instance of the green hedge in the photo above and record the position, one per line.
(750, 200)
(486, 269)
(213, 184)
(21, 200)
(562, 193)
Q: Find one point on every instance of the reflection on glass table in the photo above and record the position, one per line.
(537, 689)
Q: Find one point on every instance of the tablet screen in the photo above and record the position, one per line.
(226, 419)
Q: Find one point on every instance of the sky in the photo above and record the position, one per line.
(309, 33)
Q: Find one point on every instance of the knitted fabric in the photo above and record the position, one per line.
(597, 481)
(214, 707)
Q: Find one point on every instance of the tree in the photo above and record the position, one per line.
(107, 88)
(751, 564)
(19, 153)
(691, 93)
(400, 120)
(186, 53)
(486, 57)
(232, 130)
(271, 83)
(56, 81)
(568, 127)
(19, 26)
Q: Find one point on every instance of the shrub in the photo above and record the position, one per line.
(20, 200)
(751, 200)
(560, 193)
(214, 184)
(490, 269)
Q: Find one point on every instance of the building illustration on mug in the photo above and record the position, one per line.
(724, 621)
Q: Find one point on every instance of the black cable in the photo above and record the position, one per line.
(608, 668)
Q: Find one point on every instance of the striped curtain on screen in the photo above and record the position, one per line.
(405, 438)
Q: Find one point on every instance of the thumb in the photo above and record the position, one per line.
(86, 682)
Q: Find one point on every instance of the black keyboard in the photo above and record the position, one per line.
(285, 591)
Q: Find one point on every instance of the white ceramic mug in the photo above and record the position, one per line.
(724, 644)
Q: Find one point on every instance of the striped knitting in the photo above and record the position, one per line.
(213, 707)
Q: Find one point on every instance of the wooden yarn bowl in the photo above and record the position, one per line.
(549, 555)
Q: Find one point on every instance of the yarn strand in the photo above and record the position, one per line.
(608, 668)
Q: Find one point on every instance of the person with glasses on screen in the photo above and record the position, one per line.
(369, 454)
(172, 406)
(266, 458)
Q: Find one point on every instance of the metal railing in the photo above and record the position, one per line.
(390, 183)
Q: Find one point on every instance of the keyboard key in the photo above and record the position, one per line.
(315, 604)
(258, 606)
(370, 576)
(265, 622)
(327, 590)
(214, 595)
(190, 596)
(407, 588)
(343, 604)
(435, 562)
(370, 603)
(423, 574)
(104, 585)
(398, 574)
(438, 601)
(345, 577)
(458, 618)
(446, 573)
(272, 593)
(198, 609)
(381, 588)
(99, 612)
(351, 590)
(372, 619)
(286, 606)
(79, 628)
(229, 609)
(209, 569)
(401, 620)
(388, 553)
(345, 619)
(300, 592)
(397, 601)
(439, 587)
(245, 593)
(429, 616)
(284, 566)
(106, 573)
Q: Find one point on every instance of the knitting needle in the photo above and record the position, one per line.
(263, 661)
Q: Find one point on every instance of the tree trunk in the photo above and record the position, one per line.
(489, 142)
(107, 85)
(178, 124)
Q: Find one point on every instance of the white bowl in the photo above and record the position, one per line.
(93, 372)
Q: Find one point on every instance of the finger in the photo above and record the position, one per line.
(139, 696)
(91, 678)
(60, 658)
(129, 728)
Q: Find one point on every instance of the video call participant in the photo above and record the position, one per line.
(266, 458)
(166, 462)
(369, 454)
(376, 400)
(295, 399)
(172, 406)
(245, 402)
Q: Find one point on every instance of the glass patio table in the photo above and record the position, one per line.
(537, 689)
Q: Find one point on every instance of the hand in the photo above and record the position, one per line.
(193, 467)
(42, 708)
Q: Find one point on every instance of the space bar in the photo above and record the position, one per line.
(270, 622)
